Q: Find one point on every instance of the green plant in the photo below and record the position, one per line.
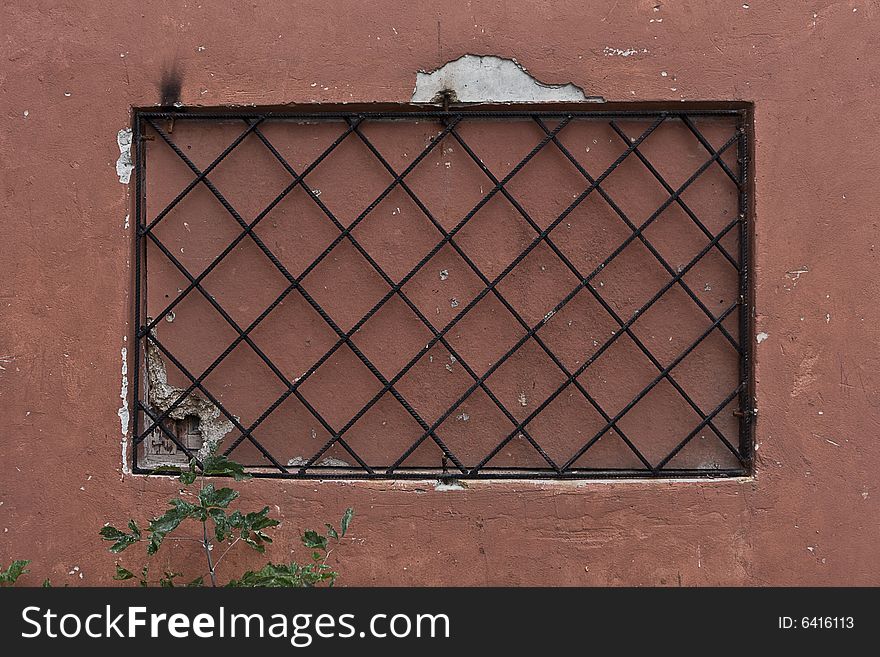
(16, 569)
(210, 509)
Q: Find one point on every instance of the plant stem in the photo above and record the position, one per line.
(205, 542)
(208, 553)
(217, 563)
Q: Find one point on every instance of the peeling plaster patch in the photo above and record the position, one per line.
(124, 415)
(328, 462)
(490, 79)
(449, 484)
(127, 218)
(761, 337)
(123, 164)
(212, 426)
(608, 51)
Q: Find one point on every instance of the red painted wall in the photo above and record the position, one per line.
(71, 73)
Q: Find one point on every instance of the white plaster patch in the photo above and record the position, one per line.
(761, 337)
(124, 164)
(490, 79)
(123, 413)
(608, 51)
(449, 485)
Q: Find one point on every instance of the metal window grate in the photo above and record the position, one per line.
(540, 294)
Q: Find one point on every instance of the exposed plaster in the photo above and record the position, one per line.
(490, 79)
(124, 164)
(124, 415)
(213, 427)
(608, 51)
(443, 485)
(328, 462)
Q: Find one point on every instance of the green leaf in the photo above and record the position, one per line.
(219, 465)
(16, 569)
(170, 520)
(260, 519)
(198, 581)
(331, 532)
(312, 539)
(283, 575)
(155, 542)
(250, 527)
(222, 530)
(235, 520)
(46, 584)
(346, 520)
(254, 543)
(167, 581)
(110, 533)
(122, 574)
(220, 498)
(135, 530)
(187, 477)
(121, 539)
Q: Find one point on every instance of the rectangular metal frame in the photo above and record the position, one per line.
(449, 119)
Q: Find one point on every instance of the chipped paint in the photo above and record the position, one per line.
(794, 276)
(761, 337)
(608, 51)
(449, 484)
(124, 164)
(490, 79)
(123, 413)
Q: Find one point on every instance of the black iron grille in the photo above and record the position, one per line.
(464, 294)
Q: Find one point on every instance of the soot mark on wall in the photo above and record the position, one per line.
(170, 85)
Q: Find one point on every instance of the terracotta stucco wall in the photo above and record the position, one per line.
(71, 73)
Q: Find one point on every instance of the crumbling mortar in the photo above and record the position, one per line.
(213, 426)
